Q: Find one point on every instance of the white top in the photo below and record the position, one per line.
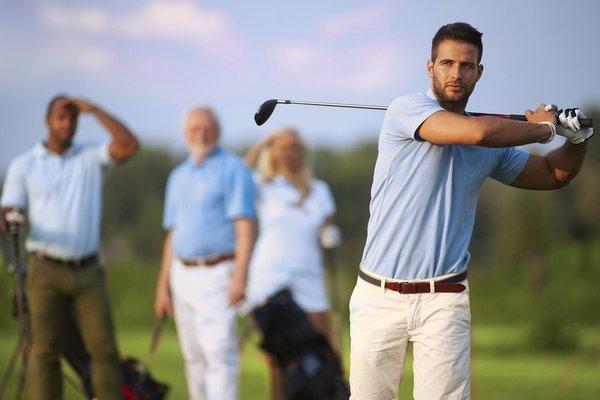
(62, 195)
(288, 242)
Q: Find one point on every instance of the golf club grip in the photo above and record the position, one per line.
(584, 122)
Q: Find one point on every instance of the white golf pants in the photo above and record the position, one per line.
(206, 330)
(382, 322)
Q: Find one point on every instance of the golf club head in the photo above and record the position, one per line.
(264, 111)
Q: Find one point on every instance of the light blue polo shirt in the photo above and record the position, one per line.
(203, 200)
(62, 195)
(424, 196)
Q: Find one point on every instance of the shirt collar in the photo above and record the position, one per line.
(41, 150)
(213, 154)
(433, 97)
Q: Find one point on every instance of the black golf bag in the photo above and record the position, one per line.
(137, 383)
(310, 368)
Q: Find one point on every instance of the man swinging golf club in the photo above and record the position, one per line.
(432, 160)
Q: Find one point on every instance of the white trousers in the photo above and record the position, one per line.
(206, 329)
(382, 322)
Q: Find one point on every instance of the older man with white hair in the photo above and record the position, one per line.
(209, 218)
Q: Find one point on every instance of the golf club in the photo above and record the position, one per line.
(266, 110)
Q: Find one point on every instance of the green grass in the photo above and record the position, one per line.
(503, 367)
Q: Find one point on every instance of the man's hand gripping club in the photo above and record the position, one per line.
(561, 122)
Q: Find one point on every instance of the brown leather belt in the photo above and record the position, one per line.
(70, 262)
(208, 261)
(447, 285)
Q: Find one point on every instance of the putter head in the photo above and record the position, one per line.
(264, 111)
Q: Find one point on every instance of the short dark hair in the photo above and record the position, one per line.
(459, 31)
(54, 100)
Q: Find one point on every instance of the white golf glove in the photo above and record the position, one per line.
(15, 217)
(569, 127)
(330, 237)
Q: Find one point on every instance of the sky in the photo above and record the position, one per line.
(148, 61)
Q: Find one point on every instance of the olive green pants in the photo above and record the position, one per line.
(53, 290)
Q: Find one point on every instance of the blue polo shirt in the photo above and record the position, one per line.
(424, 196)
(203, 200)
(62, 195)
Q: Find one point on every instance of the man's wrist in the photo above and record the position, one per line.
(550, 127)
(240, 275)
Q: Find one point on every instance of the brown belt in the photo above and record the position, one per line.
(208, 261)
(71, 262)
(447, 285)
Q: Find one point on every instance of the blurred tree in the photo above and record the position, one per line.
(133, 205)
(349, 174)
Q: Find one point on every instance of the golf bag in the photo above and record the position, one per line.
(310, 368)
(137, 383)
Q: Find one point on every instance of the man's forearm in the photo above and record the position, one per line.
(497, 132)
(244, 240)
(165, 266)
(566, 161)
(124, 143)
(3, 224)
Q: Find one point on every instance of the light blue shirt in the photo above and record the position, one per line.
(203, 200)
(62, 195)
(424, 196)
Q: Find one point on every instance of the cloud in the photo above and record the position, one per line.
(79, 56)
(336, 56)
(354, 21)
(40, 62)
(88, 19)
(364, 68)
(177, 20)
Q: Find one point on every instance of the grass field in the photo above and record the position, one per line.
(502, 366)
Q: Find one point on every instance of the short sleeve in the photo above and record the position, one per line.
(14, 193)
(406, 114)
(98, 152)
(169, 206)
(240, 193)
(326, 198)
(511, 162)
(257, 177)
(104, 154)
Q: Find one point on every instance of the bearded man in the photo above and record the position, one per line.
(433, 158)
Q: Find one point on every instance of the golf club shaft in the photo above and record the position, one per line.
(585, 122)
(341, 105)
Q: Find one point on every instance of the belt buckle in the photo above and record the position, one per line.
(408, 288)
(201, 261)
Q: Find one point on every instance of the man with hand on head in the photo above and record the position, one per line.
(433, 158)
(209, 218)
(58, 184)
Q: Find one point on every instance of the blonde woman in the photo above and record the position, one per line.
(292, 209)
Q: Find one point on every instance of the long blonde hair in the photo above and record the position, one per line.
(267, 169)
